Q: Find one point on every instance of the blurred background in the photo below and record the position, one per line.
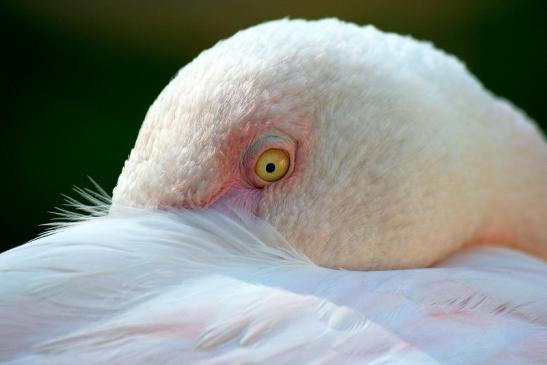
(79, 76)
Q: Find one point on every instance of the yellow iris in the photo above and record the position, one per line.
(272, 165)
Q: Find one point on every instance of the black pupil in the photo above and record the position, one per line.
(270, 167)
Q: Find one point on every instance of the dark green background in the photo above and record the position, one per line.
(78, 78)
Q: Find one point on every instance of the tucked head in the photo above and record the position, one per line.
(359, 146)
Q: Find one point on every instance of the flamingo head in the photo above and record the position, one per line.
(360, 147)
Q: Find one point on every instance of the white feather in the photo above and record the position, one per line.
(181, 287)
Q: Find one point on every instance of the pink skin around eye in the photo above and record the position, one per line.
(240, 198)
(244, 191)
(239, 192)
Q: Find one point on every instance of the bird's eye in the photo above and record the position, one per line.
(269, 158)
(272, 165)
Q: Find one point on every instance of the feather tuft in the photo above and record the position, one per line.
(93, 203)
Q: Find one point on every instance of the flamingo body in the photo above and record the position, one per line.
(189, 288)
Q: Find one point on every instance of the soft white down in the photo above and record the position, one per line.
(203, 288)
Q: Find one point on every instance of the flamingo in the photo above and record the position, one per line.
(303, 192)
